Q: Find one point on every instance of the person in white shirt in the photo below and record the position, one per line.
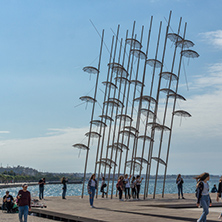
(138, 183)
(202, 193)
(92, 186)
(127, 186)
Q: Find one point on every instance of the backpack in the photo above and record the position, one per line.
(118, 184)
(198, 190)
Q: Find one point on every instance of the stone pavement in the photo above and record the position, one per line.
(160, 209)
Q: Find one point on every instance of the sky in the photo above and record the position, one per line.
(45, 44)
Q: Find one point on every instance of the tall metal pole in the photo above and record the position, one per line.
(172, 118)
(140, 101)
(115, 123)
(165, 112)
(110, 123)
(93, 108)
(127, 71)
(156, 107)
(100, 130)
(147, 118)
(106, 112)
(114, 132)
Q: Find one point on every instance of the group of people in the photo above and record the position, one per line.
(124, 184)
(23, 199)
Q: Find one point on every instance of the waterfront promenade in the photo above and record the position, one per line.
(160, 209)
(76, 209)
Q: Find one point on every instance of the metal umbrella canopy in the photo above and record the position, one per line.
(190, 53)
(136, 165)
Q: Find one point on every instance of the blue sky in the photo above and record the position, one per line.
(45, 44)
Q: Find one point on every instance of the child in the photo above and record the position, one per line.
(127, 185)
(133, 187)
(119, 187)
(138, 183)
(103, 185)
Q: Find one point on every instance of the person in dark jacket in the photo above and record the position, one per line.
(219, 191)
(214, 189)
(179, 182)
(64, 181)
(24, 202)
(202, 193)
(103, 185)
(8, 202)
(92, 186)
(119, 187)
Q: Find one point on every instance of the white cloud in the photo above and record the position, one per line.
(50, 153)
(4, 131)
(214, 38)
(212, 78)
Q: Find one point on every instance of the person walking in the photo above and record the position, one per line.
(64, 181)
(103, 185)
(127, 186)
(202, 194)
(92, 186)
(138, 183)
(133, 187)
(219, 192)
(119, 187)
(41, 188)
(24, 202)
(179, 182)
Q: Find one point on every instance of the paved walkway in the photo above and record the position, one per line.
(168, 209)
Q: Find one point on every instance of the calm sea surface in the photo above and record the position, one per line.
(189, 186)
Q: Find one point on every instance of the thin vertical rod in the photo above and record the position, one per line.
(127, 71)
(141, 94)
(147, 118)
(134, 94)
(156, 106)
(115, 122)
(165, 113)
(114, 133)
(100, 131)
(104, 129)
(93, 108)
(127, 97)
(172, 118)
(110, 124)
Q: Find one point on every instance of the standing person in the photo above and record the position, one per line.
(24, 202)
(202, 194)
(64, 181)
(119, 187)
(127, 186)
(133, 187)
(179, 182)
(8, 201)
(103, 185)
(92, 186)
(138, 183)
(219, 192)
(41, 188)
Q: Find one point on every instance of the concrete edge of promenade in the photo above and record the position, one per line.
(9, 185)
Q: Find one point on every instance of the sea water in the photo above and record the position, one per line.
(54, 190)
